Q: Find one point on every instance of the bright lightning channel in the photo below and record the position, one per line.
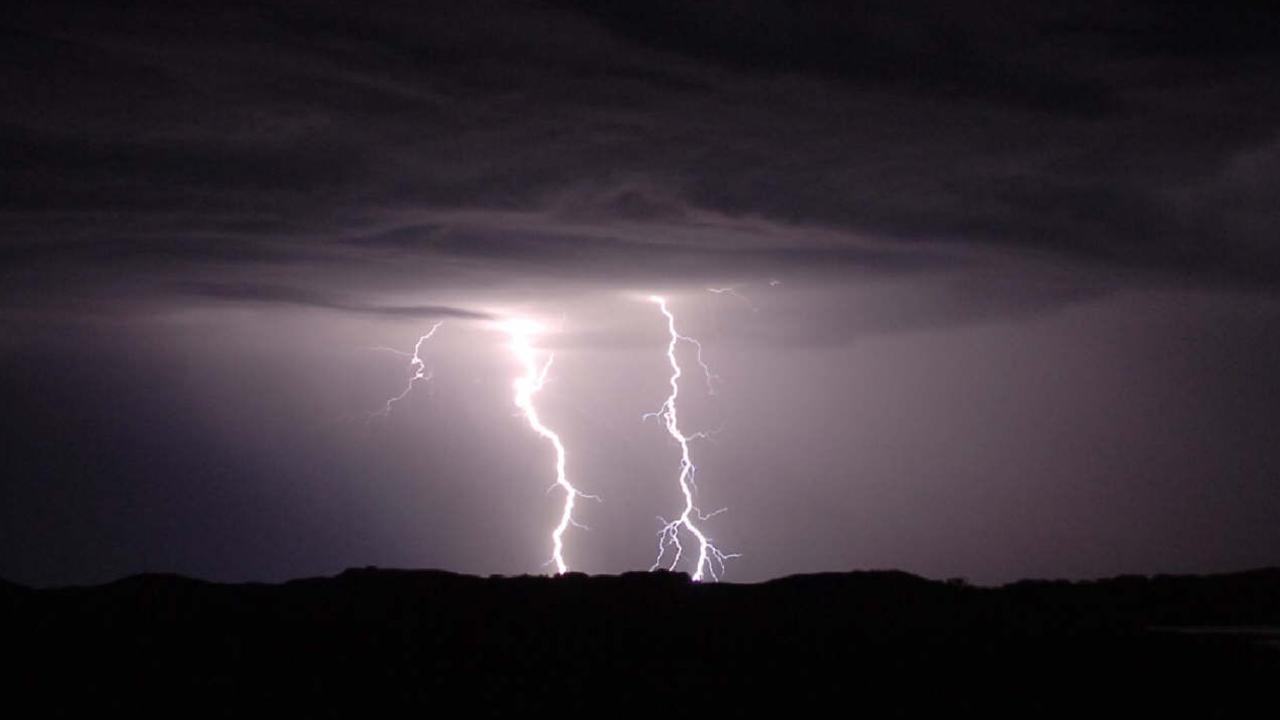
(416, 366)
(526, 386)
(709, 556)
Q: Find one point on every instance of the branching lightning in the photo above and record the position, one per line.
(526, 386)
(710, 559)
(416, 366)
(535, 366)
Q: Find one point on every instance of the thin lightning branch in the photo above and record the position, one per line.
(734, 292)
(706, 369)
(709, 557)
(526, 386)
(707, 373)
(417, 367)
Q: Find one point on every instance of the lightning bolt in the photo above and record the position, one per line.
(416, 366)
(526, 386)
(709, 556)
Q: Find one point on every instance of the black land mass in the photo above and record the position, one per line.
(371, 642)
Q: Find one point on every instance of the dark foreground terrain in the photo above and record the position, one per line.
(375, 642)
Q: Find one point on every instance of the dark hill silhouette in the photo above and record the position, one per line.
(369, 642)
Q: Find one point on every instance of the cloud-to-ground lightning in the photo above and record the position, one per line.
(709, 556)
(526, 386)
(417, 367)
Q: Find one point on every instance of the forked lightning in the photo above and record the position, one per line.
(710, 560)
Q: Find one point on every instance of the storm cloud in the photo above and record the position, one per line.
(1094, 133)
(272, 294)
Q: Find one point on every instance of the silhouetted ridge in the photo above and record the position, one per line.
(11, 587)
(375, 641)
(11, 595)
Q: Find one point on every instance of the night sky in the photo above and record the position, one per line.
(1006, 284)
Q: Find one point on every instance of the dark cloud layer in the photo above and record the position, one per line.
(1141, 135)
(278, 294)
